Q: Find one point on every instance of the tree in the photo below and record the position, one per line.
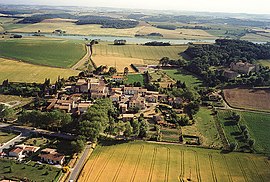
(128, 130)
(251, 142)
(78, 145)
(191, 108)
(233, 146)
(126, 70)
(5, 112)
(143, 129)
(112, 71)
(164, 61)
(136, 127)
(90, 129)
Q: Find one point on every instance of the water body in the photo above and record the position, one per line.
(134, 40)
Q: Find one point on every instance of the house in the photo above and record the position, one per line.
(243, 67)
(230, 74)
(83, 106)
(117, 78)
(16, 152)
(123, 108)
(162, 97)
(21, 150)
(82, 86)
(127, 117)
(134, 90)
(120, 42)
(151, 98)
(136, 101)
(115, 97)
(51, 156)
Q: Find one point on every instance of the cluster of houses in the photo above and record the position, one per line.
(47, 155)
(240, 68)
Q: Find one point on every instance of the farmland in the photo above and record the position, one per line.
(183, 76)
(49, 52)
(255, 99)
(31, 171)
(264, 62)
(258, 126)
(49, 25)
(135, 161)
(139, 51)
(119, 62)
(16, 71)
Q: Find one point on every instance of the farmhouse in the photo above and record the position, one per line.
(21, 150)
(51, 156)
(134, 90)
(243, 67)
(136, 101)
(230, 74)
(83, 106)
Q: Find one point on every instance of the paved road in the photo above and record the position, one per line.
(80, 163)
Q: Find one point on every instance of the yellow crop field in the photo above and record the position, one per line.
(139, 51)
(23, 72)
(119, 62)
(48, 26)
(141, 161)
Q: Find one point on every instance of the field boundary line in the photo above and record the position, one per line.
(153, 161)
(137, 163)
(228, 169)
(104, 166)
(167, 171)
(256, 169)
(121, 164)
(197, 166)
(242, 169)
(212, 168)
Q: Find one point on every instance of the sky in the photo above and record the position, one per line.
(230, 6)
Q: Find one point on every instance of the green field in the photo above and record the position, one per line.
(183, 76)
(16, 71)
(139, 51)
(207, 128)
(5, 137)
(30, 171)
(49, 52)
(258, 126)
(142, 161)
(131, 78)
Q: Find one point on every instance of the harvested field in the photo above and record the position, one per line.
(141, 161)
(119, 62)
(255, 99)
(264, 62)
(16, 71)
(49, 25)
(139, 51)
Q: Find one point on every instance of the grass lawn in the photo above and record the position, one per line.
(15, 101)
(184, 76)
(30, 171)
(259, 127)
(4, 136)
(49, 52)
(131, 78)
(171, 135)
(40, 142)
(207, 128)
(16, 71)
(142, 161)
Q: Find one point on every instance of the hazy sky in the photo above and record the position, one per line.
(235, 6)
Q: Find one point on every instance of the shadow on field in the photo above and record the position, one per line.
(109, 141)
